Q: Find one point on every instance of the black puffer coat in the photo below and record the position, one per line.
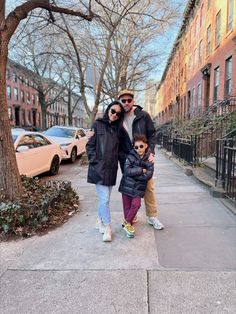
(134, 181)
(142, 124)
(102, 150)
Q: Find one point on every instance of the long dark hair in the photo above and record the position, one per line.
(122, 111)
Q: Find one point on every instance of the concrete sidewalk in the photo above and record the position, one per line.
(189, 267)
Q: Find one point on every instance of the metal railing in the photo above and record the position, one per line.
(226, 164)
(184, 149)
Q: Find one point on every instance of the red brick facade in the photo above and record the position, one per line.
(201, 69)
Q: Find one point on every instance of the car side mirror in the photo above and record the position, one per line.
(22, 149)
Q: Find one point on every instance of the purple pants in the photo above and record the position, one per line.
(131, 206)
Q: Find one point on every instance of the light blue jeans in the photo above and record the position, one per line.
(104, 193)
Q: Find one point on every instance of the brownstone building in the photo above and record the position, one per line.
(201, 69)
(24, 109)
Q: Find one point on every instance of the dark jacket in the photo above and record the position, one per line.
(102, 150)
(134, 181)
(142, 124)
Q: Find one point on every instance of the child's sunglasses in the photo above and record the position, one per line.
(140, 146)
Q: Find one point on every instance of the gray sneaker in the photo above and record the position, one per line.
(155, 223)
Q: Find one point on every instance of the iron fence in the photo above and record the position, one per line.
(226, 166)
(184, 149)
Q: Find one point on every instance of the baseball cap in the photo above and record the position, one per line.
(125, 92)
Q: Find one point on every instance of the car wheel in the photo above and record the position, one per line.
(73, 155)
(54, 166)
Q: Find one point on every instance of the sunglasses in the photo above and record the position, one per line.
(126, 100)
(140, 146)
(117, 113)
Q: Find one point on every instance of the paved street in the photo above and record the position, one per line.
(189, 267)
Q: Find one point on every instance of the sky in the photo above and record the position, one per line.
(166, 41)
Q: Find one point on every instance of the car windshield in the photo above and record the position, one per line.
(60, 132)
(14, 137)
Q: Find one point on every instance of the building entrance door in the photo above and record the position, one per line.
(34, 117)
(17, 116)
(207, 90)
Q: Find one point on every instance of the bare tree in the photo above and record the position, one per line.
(10, 184)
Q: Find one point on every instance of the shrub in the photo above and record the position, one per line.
(41, 205)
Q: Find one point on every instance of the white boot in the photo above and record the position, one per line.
(107, 236)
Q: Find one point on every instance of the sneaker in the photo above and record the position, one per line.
(135, 220)
(130, 231)
(107, 236)
(155, 223)
(100, 226)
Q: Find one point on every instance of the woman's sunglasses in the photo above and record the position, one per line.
(117, 113)
(140, 146)
(129, 100)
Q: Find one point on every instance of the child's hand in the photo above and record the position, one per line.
(151, 158)
(144, 170)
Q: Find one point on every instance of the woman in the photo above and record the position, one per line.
(102, 150)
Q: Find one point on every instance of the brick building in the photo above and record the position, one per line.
(24, 109)
(201, 69)
(150, 99)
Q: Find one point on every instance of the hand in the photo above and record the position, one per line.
(89, 134)
(151, 158)
(144, 170)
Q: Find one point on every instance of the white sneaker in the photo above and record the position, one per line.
(107, 236)
(155, 223)
(100, 226)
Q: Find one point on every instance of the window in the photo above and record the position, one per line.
(230, 15)
(199, 96)
(208, 47)
(33, 99)
(216, 83)
(10, 116)
(9, 92)
(15, 77)
(16, 93)
(218, 25)
(27, 81)
(28, 97)
(200, 52)
(8, 74)
(22, 96)
(40, 141)
(193, 98)
(228, 76)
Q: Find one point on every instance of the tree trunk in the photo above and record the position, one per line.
(70, 122)
(10, 182)
(43, 108)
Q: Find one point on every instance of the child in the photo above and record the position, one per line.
(137, 171)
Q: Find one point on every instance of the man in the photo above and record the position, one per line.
(138, 121)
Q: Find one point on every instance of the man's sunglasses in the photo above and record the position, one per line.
(117, 113)
(140, 146)
(129, 100)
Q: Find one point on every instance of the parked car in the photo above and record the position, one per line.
(72, 140)
(35, 153)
